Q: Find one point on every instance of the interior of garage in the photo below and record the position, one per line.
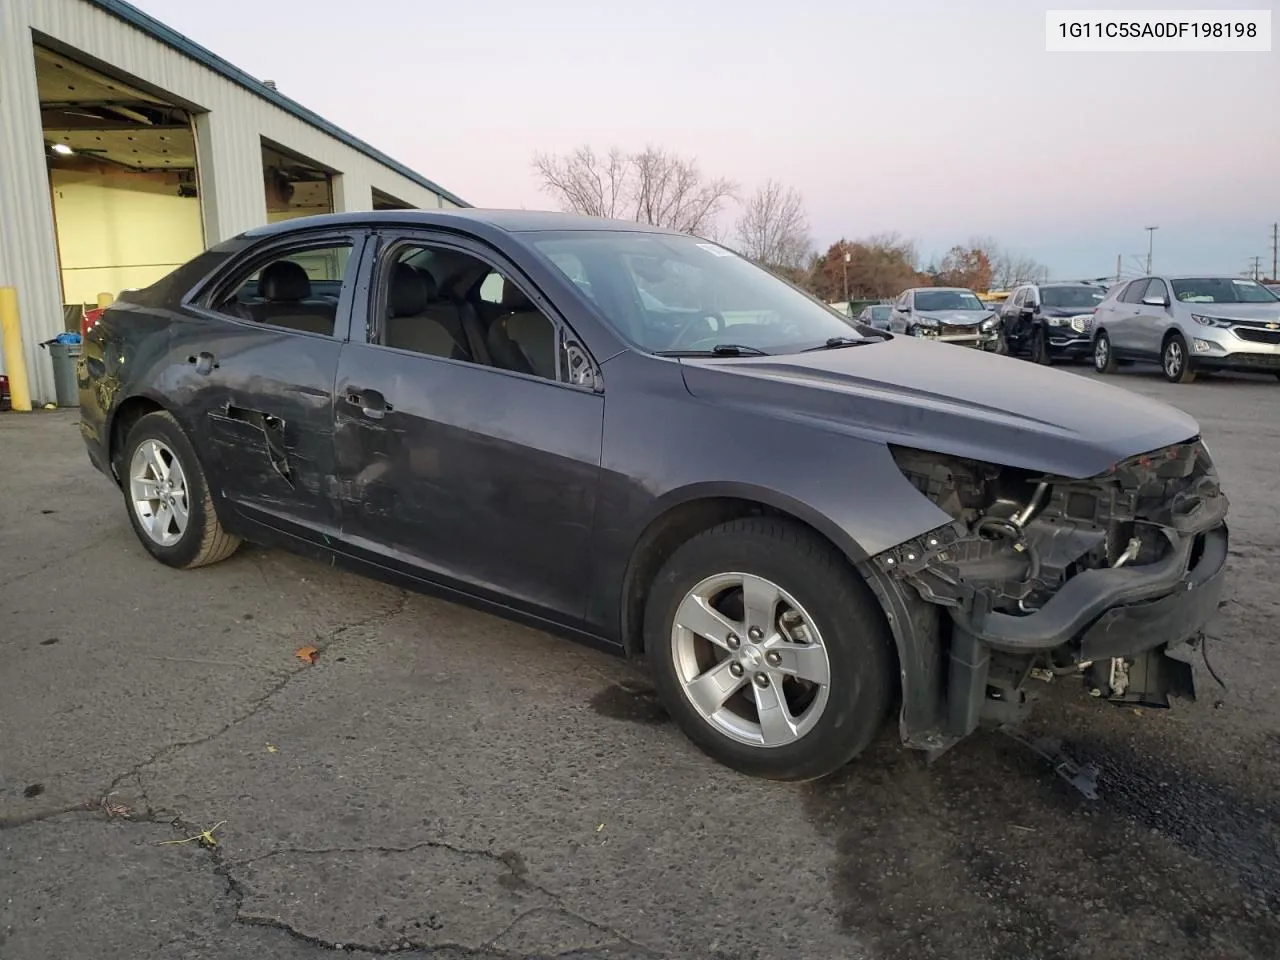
(296, 186)
(123, 181)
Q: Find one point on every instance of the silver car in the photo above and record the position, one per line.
(948, 314)
(876, 315)
(1187, 324)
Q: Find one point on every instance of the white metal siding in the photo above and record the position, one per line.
(229, 151)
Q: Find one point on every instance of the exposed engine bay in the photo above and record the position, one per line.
(1049, 576)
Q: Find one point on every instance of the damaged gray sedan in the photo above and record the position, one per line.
(640, 440)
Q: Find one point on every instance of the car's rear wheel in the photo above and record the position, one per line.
(1175, 361)
(768, 651)
(1040, 348)
(168, 499)
(1104, 360)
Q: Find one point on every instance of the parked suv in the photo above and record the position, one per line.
(1188, 324)
(949, 314)
(1050, 321)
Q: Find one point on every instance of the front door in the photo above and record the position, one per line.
(464, 455)
(257, 356)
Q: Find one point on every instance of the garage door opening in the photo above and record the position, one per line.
(123, 180)
(385, 201)
(296, 185)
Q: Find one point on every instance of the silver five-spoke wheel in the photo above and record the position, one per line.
(158, 492)
(750, 660)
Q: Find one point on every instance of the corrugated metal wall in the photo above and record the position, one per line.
(231, 121)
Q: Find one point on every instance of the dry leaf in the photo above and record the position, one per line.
(308, 654)
(272, 749)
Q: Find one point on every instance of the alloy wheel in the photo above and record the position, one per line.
(1173, 359)
(750, 660)
(158, 492)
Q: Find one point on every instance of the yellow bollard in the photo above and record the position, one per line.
(15, 360)
(105, 300)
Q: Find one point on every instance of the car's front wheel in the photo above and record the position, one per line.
(168, 499)
(1040, 348)
(768, 651)
(1104, 360)
(1175, 362)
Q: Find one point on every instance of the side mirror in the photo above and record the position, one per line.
(1155, 301)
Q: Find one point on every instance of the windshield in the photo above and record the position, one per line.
(880, 313)
(667, 293)
(1071, 296)
(1221, 290)
(947, 300)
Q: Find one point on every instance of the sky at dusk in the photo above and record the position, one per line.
(938, 119)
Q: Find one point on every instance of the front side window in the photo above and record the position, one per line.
(1135, 291)
(440, 302)
(1221, 290)
(927, 300)
(679, 294)
(1155, 288)
(296, 289)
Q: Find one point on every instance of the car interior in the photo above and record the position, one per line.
(433, 301)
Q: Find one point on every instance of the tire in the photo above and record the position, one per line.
(198, 541)
(1175, 360)
(828, 726)
(1104, 361)
(1040, 348)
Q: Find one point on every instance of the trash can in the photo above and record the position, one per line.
(64, 352)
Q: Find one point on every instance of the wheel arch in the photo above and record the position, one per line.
(128, 412)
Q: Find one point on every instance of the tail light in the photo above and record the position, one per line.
(90, 318)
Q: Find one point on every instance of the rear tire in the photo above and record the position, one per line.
(721, 670)
(1104, 361)
(1175, 360)
(167, 498)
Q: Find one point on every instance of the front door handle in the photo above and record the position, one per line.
(371, 403)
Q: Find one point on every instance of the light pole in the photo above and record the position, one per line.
(1151, 240)
(847, 258)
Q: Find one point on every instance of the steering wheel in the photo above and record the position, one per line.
(718, 324)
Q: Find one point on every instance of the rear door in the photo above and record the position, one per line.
(464, 453)
(261, 343)
(1121, 320)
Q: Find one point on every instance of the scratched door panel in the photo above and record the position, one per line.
(262, 418)
(483, 480)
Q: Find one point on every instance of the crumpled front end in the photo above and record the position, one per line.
(1112, 578)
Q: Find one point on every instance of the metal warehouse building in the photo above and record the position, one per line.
(126, 149)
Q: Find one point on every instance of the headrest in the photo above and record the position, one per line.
(284, 280)
(411, 291)
(513, 297)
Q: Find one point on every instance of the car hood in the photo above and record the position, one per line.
(1234, 311)
(966, 403)
(959, 318)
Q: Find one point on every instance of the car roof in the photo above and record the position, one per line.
(508, 221)
(948, 289)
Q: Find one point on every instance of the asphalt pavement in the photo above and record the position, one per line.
(441, 783)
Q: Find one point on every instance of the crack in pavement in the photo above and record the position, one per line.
(511, 861)
(101, 801)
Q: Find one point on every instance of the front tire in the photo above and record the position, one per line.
(1040, 348)
(768, 651)
(1104, 361)
(1175, 361)
(167, 498)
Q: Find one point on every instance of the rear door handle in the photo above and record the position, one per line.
(371, 403)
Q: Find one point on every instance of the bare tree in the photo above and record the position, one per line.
(774, 229)
(1008, 269)
(651, 186)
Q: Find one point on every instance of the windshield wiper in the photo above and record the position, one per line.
(718, 350)
(835, 343)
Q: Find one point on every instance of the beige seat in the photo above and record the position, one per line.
(286, 292)
(522, 338)
(413, 323)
